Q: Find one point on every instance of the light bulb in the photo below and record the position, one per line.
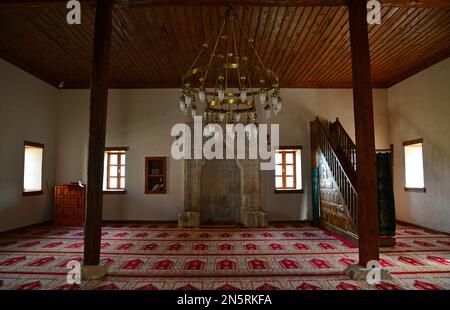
(221, 116)
(262, 96)
(243, 94)
(275, 112)
(188, 100)
(221, 94)
(237, 117)
(202, 95)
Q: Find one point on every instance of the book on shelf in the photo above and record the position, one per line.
(157, 188)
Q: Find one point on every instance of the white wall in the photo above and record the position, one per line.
(142, 120)
(302, 106)
(28, 112)
(138, 119)
(419, 107)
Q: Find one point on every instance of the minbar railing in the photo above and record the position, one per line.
(345, 182)
(343, 144)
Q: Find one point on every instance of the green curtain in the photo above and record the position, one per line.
(386, 204)
(316, 195)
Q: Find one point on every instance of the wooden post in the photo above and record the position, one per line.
(365, 136)
(97, 131)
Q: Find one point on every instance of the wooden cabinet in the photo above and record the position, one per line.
(155, 175)
(69, 205)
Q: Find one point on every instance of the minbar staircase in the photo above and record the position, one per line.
(334, 154)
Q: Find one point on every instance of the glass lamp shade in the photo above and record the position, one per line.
(251, 131)
(274, 101)
(275, 112)
(212, 129)
(221, 94)
(243, 94)
(279, 105)
(237, 117)
(188, 100)
(230, 131)
(184, 110)
(254, 131)
(221, 116)
(206, 131)
(262, 97)
(194, 111)
(267, 111)
(202, 95)
(182, 103)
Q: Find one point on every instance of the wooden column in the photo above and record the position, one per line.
(365, 136)
(97, 131)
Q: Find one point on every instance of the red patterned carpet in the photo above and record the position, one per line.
(165, 257)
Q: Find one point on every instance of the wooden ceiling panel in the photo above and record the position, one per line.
(153, 45)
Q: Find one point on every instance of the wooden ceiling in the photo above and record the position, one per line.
(153, 45)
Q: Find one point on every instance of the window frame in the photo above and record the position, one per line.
(120, 151)
(293, 150)
(33, 192)
(409, 143)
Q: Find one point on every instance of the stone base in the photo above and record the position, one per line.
(189, 219)
(359, 273)
(255, 219)
(386, 241)
(93, 272)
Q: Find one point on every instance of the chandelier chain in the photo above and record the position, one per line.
(223, 103)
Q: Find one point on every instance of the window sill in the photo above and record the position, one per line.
(32, 193)
(288, 191)
(115, 192)
(417, 190)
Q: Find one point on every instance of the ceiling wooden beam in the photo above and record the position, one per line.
(212, 3)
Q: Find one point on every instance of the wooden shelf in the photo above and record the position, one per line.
(69, 205)
(155, 181)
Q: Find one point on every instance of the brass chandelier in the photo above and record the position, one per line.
(225, 83)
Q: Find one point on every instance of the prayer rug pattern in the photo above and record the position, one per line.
(143, 256)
